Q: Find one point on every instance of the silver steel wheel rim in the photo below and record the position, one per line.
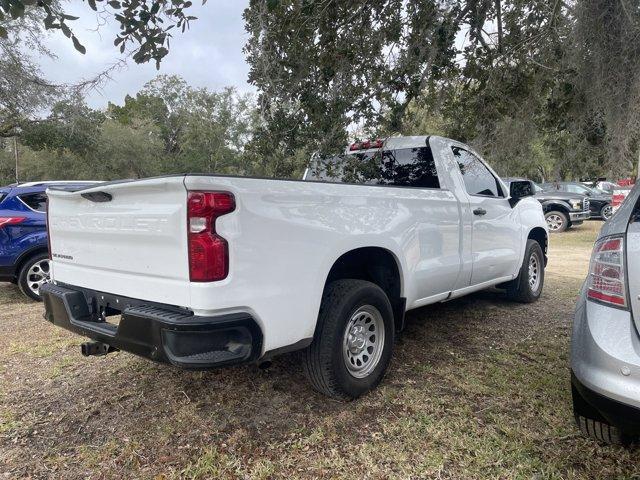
(534, 273)
(38, 274)
(554, 222)
(607, 212)
(363, 341)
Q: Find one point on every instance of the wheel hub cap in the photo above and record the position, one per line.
(357, 340)
(554, 222)
(363, 341)
(38, 275)
(534, 272)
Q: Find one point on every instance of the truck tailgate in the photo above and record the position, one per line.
(132, 241)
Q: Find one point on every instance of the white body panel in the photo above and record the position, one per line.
(284, 237)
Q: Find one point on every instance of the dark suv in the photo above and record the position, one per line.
(599, 201)
(561, 209)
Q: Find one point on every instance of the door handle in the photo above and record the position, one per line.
(479, 211)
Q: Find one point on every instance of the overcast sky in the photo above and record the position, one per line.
(209, 54)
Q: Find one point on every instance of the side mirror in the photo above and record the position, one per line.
(520, 189)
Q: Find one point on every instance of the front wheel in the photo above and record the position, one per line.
(527, 287)
(557, 222)
(34, 273)
(606, 212)
(353, 341)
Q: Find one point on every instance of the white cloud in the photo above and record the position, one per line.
(209, 54)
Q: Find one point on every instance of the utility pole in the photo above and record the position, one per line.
(15, 154)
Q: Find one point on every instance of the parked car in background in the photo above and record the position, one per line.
(599, 200)
(24, 257)
(605, 346)
(619, 196)
(562, 210)
(202, 271)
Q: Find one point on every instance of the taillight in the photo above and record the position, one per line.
(208, 251)
(607, 281)
(11, 220)
(366, 145)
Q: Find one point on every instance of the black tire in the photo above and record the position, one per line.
(521, 289)
(600, 431)
(324, 360)
(24, 282)
(557, 221)
(596, 428)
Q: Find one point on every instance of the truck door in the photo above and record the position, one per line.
(496, 235)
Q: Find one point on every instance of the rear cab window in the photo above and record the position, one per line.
(405, 167)
(478, 180)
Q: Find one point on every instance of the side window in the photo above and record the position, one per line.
(35, 201)
(576, 189)
(478, 180)
(410, 167)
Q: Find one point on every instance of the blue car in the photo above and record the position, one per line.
(24, 252)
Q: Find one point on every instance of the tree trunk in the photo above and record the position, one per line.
(499, 19)
(15, 154)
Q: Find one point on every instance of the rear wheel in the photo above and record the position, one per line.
(556, 221)
(353, 341)
(34, 273)
(527, 287)
(597, 429)
(606, 212)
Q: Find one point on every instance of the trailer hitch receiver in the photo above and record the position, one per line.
(95, 348)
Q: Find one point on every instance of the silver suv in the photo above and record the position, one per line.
(605, 347)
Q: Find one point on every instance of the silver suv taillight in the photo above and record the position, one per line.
(607, 281)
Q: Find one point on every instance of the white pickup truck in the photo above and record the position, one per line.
(202, 271)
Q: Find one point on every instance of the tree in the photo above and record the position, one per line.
(144, 24)
(71, 126)
(544, 88)
(606, 47)
(24, 92)
(322, 66)
(202, 130)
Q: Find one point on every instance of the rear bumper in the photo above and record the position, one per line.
(602, 408)
(605, 364)
(577, 216)
(158, 332)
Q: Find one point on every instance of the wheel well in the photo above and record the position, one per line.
(376, 265)
(540, 235)
(554, 207)
(27, 255)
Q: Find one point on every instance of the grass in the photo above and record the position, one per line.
(479, 388)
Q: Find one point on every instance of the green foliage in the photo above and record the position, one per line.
(144, 24)
(168, 127)
(502, 75)
(544, 89)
